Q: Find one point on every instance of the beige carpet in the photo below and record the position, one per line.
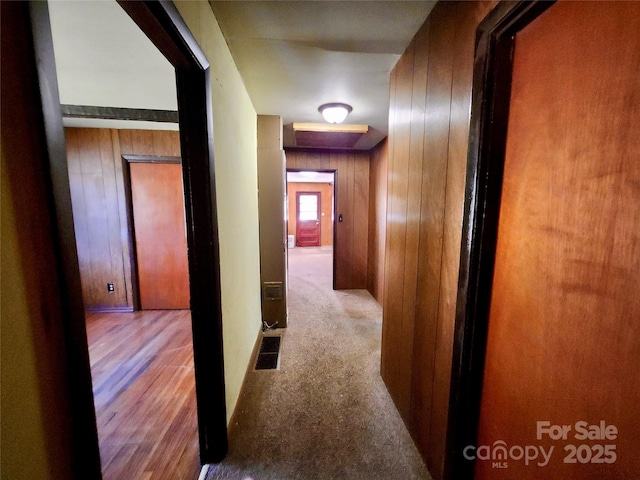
(325, 413)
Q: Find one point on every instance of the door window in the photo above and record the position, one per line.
(308, 207)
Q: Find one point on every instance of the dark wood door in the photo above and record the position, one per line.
(563, 342)
(160, 233)
(308, 219)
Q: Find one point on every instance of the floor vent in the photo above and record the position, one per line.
(269, 355)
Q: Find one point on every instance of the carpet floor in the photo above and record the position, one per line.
(325, 412)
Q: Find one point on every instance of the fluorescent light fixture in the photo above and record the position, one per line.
(335, 112)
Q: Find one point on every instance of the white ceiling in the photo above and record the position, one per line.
(293, 57)
(103, 59)
(296, 56)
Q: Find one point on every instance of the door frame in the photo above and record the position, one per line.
(334, 245)
(319, 213)
(493, 63)
(164, 26)
(133, 249)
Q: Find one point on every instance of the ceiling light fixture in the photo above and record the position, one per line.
(335, 112)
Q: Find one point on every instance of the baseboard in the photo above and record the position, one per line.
(203, 472)
(121, 309)
(252, 362)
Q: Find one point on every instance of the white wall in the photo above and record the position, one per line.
(235, 150)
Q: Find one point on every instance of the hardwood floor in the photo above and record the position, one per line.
(144, 393)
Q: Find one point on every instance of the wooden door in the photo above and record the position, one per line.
(563, 342)
(160, 234)
(308, 219)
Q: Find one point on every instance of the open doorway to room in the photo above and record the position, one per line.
(127, 197)
(311, 222)
(149, 416)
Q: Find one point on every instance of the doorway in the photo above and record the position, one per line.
(312, 228)
(164, 26)
(308, 215)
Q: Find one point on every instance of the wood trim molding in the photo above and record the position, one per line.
(118, 113)
(109, 310)
(349, 151)
(50, 133)
(495, 41)
(150, 159)
(166, 29)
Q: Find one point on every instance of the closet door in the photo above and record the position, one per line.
(564, 338)
(160, 233)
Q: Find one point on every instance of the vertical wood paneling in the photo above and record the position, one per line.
(377, 220)
(346, 208)
(81, 227)
(292, 160)
(142, 142)
(92, 185)
(122, 216)
(99, 207)
(432, 225)
(301, 161)
(125, 139)
(94, 197)
(342, 247)
(389, 331)
(415, 189)
(467, 19)
(150, 142)
(107, 156)
(352, 199)
(359, 252)
(430, 91)
(398, 376)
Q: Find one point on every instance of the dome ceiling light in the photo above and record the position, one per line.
(335, 112)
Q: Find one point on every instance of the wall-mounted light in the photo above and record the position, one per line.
(335, 112)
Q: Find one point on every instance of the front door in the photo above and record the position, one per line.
(308, 219)
(160, 233)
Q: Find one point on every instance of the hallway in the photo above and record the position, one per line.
(325, 413)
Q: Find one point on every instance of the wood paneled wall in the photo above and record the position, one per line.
(326, 195)
(377, 219)
(99, 207)
(352, 197)
(430, 97)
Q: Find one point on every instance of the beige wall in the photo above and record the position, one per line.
(271, 191)
(235, 150)
(26, 400)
